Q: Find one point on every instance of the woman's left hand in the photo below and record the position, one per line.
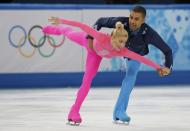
(54, 20)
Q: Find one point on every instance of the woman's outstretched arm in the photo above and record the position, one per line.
(89, 30)
(132, 55)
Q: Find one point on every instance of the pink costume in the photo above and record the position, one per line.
(102, 48)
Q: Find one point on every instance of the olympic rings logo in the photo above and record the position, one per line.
(32, 40)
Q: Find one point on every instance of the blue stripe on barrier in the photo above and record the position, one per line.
(85, 6)
(105, 79)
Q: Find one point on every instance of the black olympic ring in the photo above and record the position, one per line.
(39, 44)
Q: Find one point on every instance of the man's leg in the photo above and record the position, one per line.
(126, 88)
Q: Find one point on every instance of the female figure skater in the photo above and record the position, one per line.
(104, 46)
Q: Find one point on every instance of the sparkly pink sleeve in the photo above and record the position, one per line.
(89, 30)
(132, 55)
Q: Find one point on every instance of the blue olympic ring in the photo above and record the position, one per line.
(10, 39)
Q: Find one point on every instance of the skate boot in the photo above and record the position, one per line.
(121, 118)
(74, 118)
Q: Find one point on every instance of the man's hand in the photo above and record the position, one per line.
(54, 20)
(164, 71)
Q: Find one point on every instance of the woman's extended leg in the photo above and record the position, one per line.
(79, 37)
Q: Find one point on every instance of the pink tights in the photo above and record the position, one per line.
(92, 64)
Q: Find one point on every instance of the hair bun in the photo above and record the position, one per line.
(119, 25)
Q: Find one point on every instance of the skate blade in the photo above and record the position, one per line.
(72, 123)
(119, 122)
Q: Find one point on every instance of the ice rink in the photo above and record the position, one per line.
(150, 108)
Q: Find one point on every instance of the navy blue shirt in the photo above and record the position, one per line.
(138, 41)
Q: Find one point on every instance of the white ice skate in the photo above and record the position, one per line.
(121, 119)
(73, 122)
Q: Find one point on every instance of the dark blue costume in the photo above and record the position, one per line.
(138, 42)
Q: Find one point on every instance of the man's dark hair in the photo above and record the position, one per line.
(140, 9)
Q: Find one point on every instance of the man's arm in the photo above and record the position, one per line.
(108, 22)
(155, 39)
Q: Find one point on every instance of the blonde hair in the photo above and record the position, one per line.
(119, 36)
